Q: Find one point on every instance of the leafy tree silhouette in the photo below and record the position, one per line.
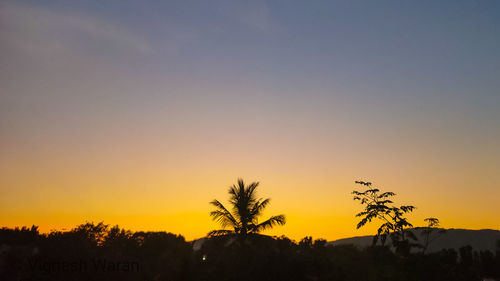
(94, 233)
(245, 211)
(380, 206)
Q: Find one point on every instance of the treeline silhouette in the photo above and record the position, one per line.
(99, 252)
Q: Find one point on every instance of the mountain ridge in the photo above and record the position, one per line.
(453, 238)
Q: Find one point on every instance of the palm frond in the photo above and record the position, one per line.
(222, 215)
(220, 232)
(272, 221)
(259, 206)
(250, 191)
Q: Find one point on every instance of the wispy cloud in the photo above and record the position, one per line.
(40, 30)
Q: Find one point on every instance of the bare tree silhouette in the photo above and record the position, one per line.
(246, 208)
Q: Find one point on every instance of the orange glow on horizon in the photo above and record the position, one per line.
(141, 121)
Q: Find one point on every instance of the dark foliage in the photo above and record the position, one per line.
(165, 256)
(93, 252)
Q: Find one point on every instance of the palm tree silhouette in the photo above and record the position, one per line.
(246, 208)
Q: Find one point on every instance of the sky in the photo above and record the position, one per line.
(139, 113)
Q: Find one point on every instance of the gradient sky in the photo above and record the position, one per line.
(139, 113)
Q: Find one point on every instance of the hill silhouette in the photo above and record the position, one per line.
(480, 240)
